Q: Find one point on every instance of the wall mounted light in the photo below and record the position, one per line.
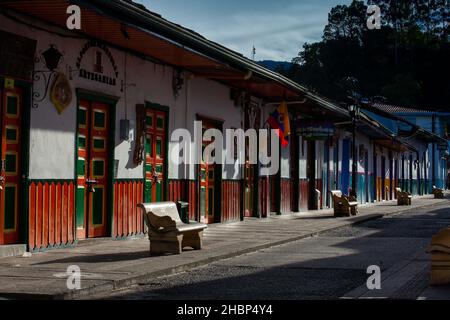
(51, 58)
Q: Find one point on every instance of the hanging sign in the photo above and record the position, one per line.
(315, 129)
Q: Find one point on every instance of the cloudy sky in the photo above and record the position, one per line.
(277, 28)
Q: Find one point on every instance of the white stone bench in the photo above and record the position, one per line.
(438, 193)
(344, 206)
(440, 258)
(166, 232)
(403, 198)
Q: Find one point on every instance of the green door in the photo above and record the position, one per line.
(155, 155)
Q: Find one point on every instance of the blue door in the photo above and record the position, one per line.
(345, 182)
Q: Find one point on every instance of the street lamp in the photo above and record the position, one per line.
(355, 112)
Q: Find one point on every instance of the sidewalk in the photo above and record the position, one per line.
(107, 265)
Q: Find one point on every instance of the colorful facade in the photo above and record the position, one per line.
(88, 119)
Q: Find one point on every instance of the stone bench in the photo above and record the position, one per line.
(166, 232)
(344, 206)
(403, 198)
(438, 193)
(440, 258)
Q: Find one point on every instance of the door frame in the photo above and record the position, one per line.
(111, 101)
(217, 181)
(311, 173)
(166, 110)
(23, 213)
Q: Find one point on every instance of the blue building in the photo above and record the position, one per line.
(433, 127)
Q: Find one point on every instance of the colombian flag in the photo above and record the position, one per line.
(279, 120)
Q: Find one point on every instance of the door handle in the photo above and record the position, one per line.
(2, 182)
(91, 184)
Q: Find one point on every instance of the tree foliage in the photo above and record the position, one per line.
(407, 60)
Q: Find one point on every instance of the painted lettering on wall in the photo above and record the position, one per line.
(95, 71)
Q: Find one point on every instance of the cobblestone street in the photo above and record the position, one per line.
(328, 266)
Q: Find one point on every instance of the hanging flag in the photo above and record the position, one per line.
(279, 120)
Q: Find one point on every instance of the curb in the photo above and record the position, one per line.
(145, 278)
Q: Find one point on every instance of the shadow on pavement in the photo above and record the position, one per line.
(383, 242)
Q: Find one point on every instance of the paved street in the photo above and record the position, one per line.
(108, 265)
(329, 266)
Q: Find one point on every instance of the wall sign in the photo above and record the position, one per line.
(315, 129)
(95, 70)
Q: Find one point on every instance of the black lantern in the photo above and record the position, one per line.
(52, 58)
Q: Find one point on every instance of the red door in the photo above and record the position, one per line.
(249, 189)
(155, 155)
(92, 169)
(208, 177)
(11, 106)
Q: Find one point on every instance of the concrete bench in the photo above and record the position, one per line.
(438, 193)
(440, 258)
(344, 206)
(403, 198)
(166, 232)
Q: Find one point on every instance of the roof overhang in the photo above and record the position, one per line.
(150, 35)
(416, 131)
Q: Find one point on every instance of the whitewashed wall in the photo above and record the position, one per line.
(52, 148)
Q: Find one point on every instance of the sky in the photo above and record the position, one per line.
(278, 28)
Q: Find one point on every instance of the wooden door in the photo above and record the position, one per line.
(311, 175)
(11, 106)
(209, 177)
(366, 176)
(345, 174)
(249, 188)
(92, 169)
(155, 155)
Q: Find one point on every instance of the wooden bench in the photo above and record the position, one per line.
(440, 258)
(166, 232)
(438, 193)
(403, 198)
(344, 206)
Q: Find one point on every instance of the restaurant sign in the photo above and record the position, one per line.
(91, 65)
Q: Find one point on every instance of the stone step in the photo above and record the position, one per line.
(12, 250)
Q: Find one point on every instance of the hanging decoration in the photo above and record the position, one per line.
(61, 93)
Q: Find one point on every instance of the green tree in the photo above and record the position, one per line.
(407, 60)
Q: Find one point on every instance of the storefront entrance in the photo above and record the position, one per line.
(249, 190)
(93, 168)
(311, 175)
(11, 110)
(210, 180)
(155, 155)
